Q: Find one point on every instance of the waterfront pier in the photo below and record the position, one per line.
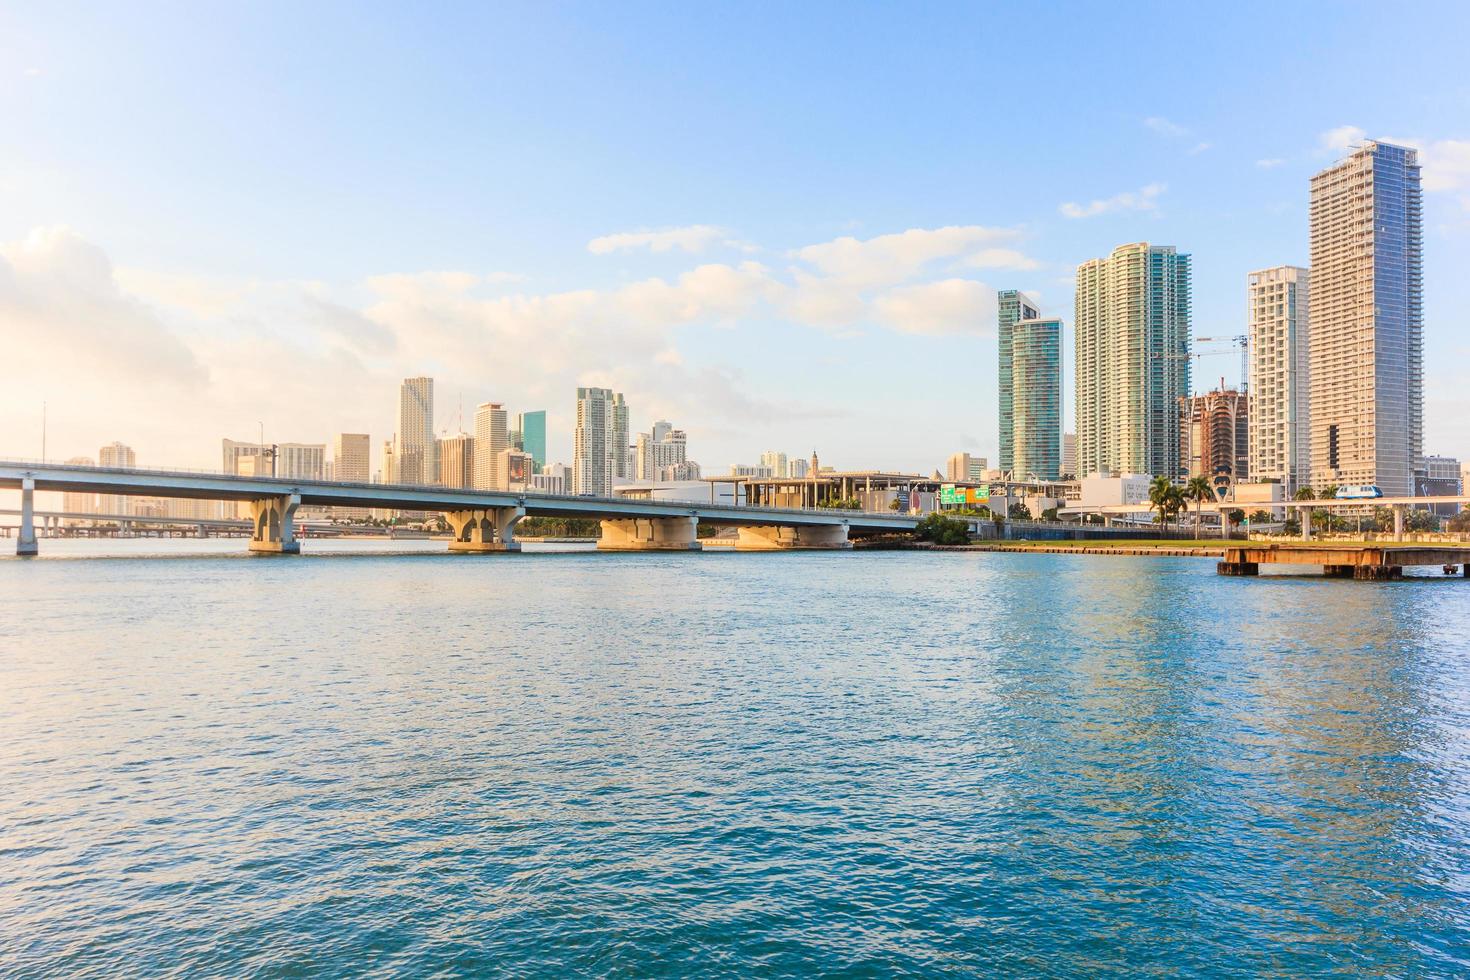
(1375, 563)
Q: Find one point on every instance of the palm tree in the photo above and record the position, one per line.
(1159, 497)
(1306, 493)
(1199, 490)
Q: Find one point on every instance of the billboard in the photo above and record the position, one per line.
(953, 496)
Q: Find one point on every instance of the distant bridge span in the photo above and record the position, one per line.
(482, 520)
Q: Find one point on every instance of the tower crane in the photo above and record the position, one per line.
(1240, 340)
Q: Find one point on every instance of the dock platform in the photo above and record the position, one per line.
(1375, 563)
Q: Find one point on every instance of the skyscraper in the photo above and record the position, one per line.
(532, 427)
(491, 439)
(115, 455)
(1214, 435)
(351, 463)
(1132, 321)
(75, 502)
(964, 468)
(1277, 305)
(351, 457)
(657, 450)
(1036, 400)
(457, 461)
(776, 462)
(1013, 306)
(1367, 323)
(414, 453)
(600, 442)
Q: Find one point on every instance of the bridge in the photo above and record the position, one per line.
(480, 520)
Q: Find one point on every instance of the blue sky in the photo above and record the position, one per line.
(779, 227)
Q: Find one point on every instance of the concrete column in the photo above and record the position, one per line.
(25, 542)
(485, 529)
(1306, 513)
(272, 530)
(650, 534)
(777, 538)
(1398, 522)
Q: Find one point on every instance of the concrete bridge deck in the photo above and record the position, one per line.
(481, 520)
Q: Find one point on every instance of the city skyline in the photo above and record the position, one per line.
(867, 278)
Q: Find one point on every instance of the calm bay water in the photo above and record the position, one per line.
(871, 764)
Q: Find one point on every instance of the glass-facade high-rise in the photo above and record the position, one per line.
(532, 426)
(1036, 403)
(414, 456)
(1012, 306)
(1367, 320)
(1133, 339)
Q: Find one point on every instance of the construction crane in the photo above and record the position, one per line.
(1240, 341)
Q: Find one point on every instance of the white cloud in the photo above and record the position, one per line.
(1165, 127)
(1143, 199)
(1445, 163)
(944, 308)
(1270, 163)
(60, 297)
(1340, 140)
(889, 259)
(691, 238)
(1000, 258)
(1198, 148)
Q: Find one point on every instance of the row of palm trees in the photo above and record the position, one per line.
(1168, 500)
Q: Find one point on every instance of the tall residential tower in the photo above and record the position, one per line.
(1132, 322)
(1278, 301)
(414, 452)
(1012, 306)
(600, 442)
(1367, 322)
(1036, 399)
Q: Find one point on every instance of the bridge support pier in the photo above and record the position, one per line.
(1398, 522)
(272, 525)
(778, 538)
(1378, 573)
(484, 530)
(1338, 571)
(25, 541)
(650, 534)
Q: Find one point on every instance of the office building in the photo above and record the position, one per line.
(414, 452)
(1035, 401)
(796, 468)
(1133, 345)
(1069, 455)
(964, 468)
(599, 442)
(515, 469)
(679, 472)
(301, 460)
(491, 439)
(234, 450)
(1214, 433)
(76, 502)
(532, 427)
(1366, 329)
(115, 455)
(389, 471)
(1012, 307)
(351, 463)
(456, 461)
(775, 462)
(1278, 302)
(555, 478)
(657, 450)
(1440, 476)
